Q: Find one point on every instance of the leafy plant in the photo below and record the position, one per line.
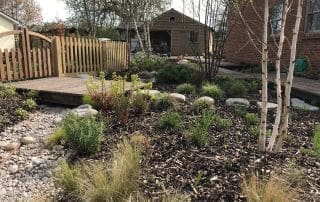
(222, 124)
(29, 104)
(176, 74)
(252, 119)
(186, 88)
(254, 130)
(199, 105)
(237, 89)
(32, 94)
(170, 120)
(240, 110)
(121, 107)
(7, 91)
(143, 62)
(139, 103)
(83, 134)
(224, 82)
(87, 99)
(162, 102)
(199, 132)
(58, 137)
(22, 113)
(253, 85)
(212, 90)
(316, 139)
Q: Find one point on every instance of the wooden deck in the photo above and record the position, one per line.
(59, 90)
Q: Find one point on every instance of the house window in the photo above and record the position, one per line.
(276, 18)
(313, 24)
(172, 19)
(193, 36)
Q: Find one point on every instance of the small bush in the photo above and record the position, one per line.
(144, 63)
(186, 89)
(87, 99)
(83, 134)
(139, 103)
(69, 178)
(22, 113)
(7, 91)
(58, 137)
(316, 139)
(170, 120)
(121, 105)
(176, 74)
(212, 90)
(240, 110)
(32, 94)
(252, 119)
(29, 104)
(222, 124)
(253, 85)
(162, 102)
(275, 189)
(254, 130)
(199, 105)
(224, 82)
(237, 89)
(199, 132)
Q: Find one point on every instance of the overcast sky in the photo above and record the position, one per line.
(56, 9)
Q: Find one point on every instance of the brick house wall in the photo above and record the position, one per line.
(239, 50)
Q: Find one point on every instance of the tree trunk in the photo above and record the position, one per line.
(138, 34)
(289, 80)
(264, 109)
(275, 131)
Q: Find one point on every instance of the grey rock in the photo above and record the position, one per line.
(11, 146)
(28, 140)
(3, 192)
(233, 102)
(13, 169)
(36, 160)
(86, 106)
(295, 102)
(57, 120)
(269, 105)
(178, 97)
(3, 144)
(206, 99)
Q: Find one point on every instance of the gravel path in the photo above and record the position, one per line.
(27, 173)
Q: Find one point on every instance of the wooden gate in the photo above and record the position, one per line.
(26, 61)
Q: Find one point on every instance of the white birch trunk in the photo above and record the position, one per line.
(264, 109)
(275, 131)
(138, 34)
(289, 80)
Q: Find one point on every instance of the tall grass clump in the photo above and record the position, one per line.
(83, 134)
(199, 132)
(273, 190)
(222, 124)
(237, 89)
(212, 90)
(186, 88)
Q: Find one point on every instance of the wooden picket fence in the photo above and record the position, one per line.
(63, 56)
(82, 55)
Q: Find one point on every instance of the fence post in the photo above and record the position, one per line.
(57, 60)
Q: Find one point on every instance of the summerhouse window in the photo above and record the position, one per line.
(313, 24)
(193, 36)
(276, 18)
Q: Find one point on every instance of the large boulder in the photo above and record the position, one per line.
(85, 110)
(206, 99)
(269, 105)
(237, 102)
(295, 102)
(178, 97)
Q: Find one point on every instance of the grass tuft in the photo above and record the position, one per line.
(169, 120)
(186, 88)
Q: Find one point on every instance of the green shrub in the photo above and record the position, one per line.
(240, 110)
(29, 104)
(199, 132)
(162, 102)
(121, 105)
(254, 130)
(237, 89)
(142, 62)
(224, 82)
(253, 85)
(32, 94)
(186, 88)
(7, 91)
(222, 124)
(58, 137)
(199, 105)
(170, 120)
(176, 74)
(139, 103)
(212, 90)
(83, 134)
(252, 119)
(22, 113)
(316, 139)
(87, 99)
